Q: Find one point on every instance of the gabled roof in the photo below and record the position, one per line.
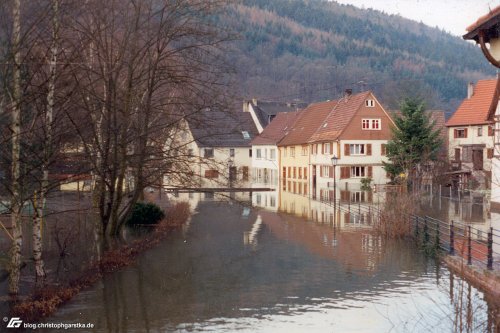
(339, 117)
(478, 109)
(267, 110)
(212, 128)
(307, 123)
(277, 129)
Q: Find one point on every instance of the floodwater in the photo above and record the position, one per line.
(234, 268)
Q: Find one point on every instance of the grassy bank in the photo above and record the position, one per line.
(46, 301)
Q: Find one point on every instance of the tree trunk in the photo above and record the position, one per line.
(16, 201)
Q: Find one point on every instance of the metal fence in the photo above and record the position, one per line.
(478, 246)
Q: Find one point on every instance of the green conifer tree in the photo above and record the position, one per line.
(414, 141)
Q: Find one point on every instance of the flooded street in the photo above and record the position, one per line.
(233, 268)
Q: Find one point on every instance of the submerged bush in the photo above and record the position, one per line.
(145, 213)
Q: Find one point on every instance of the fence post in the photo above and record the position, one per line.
(416, 228)
(426, 231)
(490, 249)
(452, 239)
(438, 240)
(469, 248)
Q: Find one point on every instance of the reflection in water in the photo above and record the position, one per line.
(261, 271)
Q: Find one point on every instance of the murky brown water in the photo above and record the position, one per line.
(250, 270)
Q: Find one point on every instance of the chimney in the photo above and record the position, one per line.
(347, 93)
(245, 106)
(470, 90)
(254, 101)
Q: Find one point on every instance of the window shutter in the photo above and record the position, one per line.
(322, 149)
(490, 153)
(490, 130)
(384, 149)
(321, 171)
(346, 150)
(454, 133)
(370, 172)
(344, 172)
(369, 149)
(465, 134)
(331, 172)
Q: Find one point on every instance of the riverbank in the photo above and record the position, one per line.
(46, 301)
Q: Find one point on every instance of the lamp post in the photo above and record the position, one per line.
(486, 31)
(334, 163)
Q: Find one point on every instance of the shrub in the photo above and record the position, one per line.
(366, 184)
(145, 213)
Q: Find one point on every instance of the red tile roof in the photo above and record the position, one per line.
(277, 129)
(483, 19)
(478, 109)
(339, 117)
(309, 120)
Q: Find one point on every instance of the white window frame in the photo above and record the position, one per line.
(327, 148)
(360, 151)
(480, 131)
(370, 103)
(258, 153)
(358, 172)
(326, 171)
(272, 154)
(369, 124)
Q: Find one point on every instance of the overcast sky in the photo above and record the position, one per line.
(451, 15)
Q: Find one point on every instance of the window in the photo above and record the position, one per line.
(245, 173)
(371, 124)
(357, 172)
(327, 148)
(258, 199)
(325, 169)
(292, 151)
(272, 201)
(250, 152)
(490, 130)
(231, 152)
(190, 152)
(272, 154)
(357, 149)
(460, 133)
(246, 136)
(211, 174)
(258, 153)
(383, 149)
(300, 173)
(370, 103)
(284, 151)
(304, 150)
(479, 131)
(209, 153)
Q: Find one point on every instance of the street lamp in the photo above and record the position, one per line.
(334, 163)
(486, 30)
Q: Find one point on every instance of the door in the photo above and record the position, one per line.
(477, 159)
(232, 174)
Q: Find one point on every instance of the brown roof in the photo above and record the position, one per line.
(479, 108)
(484, 22)
(277, 129)
(339, 117)
(308, 122)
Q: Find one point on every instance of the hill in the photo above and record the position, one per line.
(313, 50)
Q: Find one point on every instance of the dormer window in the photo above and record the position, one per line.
(370, 103)
(246, 136)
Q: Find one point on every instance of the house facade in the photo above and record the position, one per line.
(215, 150)
(354, 129)
(471, 135)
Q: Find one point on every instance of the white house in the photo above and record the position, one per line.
(470, 135)
(215, 147)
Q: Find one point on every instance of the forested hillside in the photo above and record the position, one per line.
(313, 50)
